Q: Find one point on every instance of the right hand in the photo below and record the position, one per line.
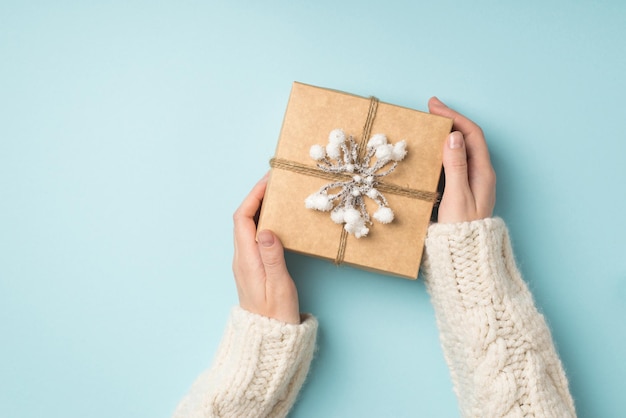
(470, 190)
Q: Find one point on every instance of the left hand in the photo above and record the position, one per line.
(264, 285)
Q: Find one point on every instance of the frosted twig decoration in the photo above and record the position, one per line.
(341, 156)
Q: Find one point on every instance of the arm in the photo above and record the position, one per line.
(497, 345)
(267, 348)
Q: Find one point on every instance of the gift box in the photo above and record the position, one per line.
(354, 180)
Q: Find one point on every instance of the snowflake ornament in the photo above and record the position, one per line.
(347, 205)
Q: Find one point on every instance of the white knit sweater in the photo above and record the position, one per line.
(498, 347)
(258, 370)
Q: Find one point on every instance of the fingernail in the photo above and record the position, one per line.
(455, 141)
(266, 238)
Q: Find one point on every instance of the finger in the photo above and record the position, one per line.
(457, 203)
(476, 146)
(252, 202)
(455, 165)
(243, 218)
(273, 257)
(461, 123)
(246, 259)
(457, 193)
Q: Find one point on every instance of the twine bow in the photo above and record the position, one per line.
(347, 206)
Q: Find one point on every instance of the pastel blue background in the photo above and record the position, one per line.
(130, 131)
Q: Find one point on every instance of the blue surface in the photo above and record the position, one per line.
(130, 131)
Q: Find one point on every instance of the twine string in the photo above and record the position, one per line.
(308, 170)
(367, 128)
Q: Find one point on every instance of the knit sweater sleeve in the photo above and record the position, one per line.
(258, 370)
(498, 347)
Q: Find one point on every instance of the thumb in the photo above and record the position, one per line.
(272, 256)
(455, 165)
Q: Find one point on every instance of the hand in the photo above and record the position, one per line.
(470, 189)
(263, 282)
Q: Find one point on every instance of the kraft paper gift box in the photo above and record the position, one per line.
(393, 248)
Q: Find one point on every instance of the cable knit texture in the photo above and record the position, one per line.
(258, 370)
(498, 347)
